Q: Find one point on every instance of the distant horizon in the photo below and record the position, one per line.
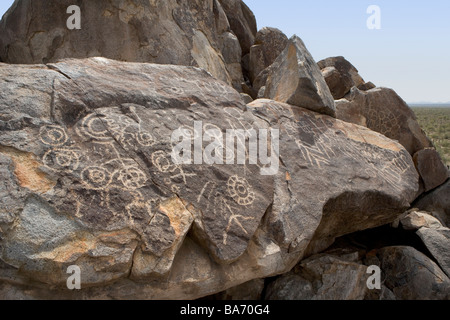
(408, 54)
(430, 104)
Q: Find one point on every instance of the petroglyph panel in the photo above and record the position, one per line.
(122, 170)
(323, 158)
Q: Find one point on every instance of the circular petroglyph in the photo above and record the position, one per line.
(61, 159)
(132, 178)
(240, 190)
(162, 162)
(53, 135)
(96, 178)
(145, 139)
(94, 127)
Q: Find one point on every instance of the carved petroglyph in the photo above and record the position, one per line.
(240, 190)
(112, 194)
(319, 144)
(223, 206)
(53, 135)
(61, 159)
(162, 161)
(61, 156)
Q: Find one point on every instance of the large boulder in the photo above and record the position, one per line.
(437, 241)
(431, 168)
(269, 44)
(340, 76)
(382, 110)
(88, 180)
(437, 202)
(190, 33)
(295, 78)
(411, 275)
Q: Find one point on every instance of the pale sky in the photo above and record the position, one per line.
(411, 52)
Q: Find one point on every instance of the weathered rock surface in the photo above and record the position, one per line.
(248, 291)
(295, 78)
(382, 110)
(85, 156)
(367, 86)
(139, 31)
(331, 174)
(340, 76)
(242, 22)
(321, 277)
(269, 44)
(437, 202)
(415, 220)
(431, 168)
(413, 276)
(437, 241)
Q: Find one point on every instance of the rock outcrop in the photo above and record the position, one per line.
(191, 33)
(168, 150)
(321, 277)
(86, 152)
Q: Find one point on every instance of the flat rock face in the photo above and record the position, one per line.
(89, 180)
(295, 78)
(140, 31)
(413, 276)
(437, 241)
(382, 110)
(431, 168)
(437, 202)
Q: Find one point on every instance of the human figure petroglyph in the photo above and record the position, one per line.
(238, 192)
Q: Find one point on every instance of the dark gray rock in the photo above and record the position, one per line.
(437, 242)
(411, 275)
(137, 31)
(431, 168)
(437, 202)
(85, 152)
(321, 277)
